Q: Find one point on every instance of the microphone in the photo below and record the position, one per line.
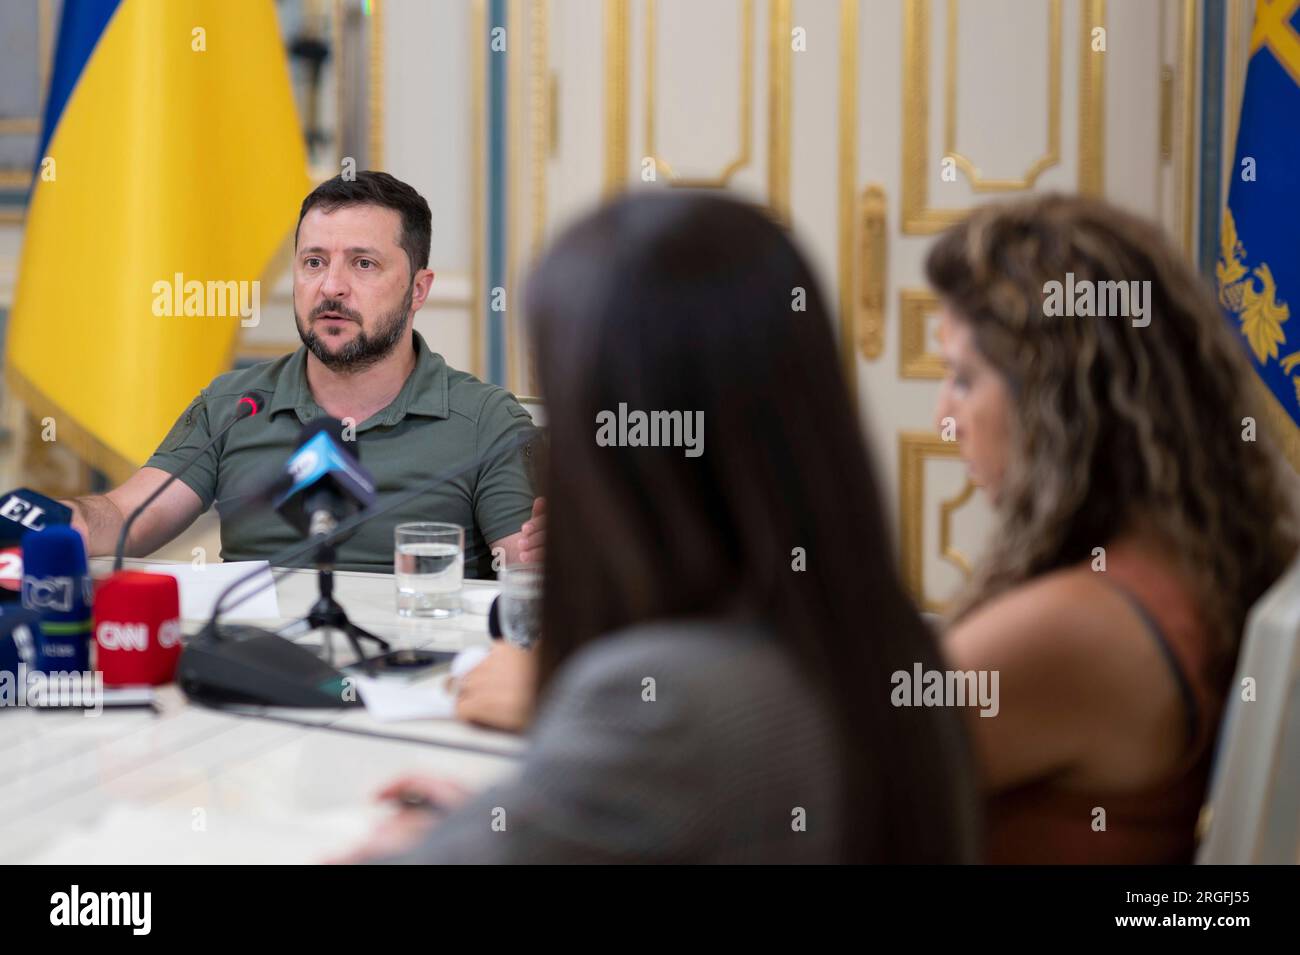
(23, 511)
(138, 628)
(57, 586)
(17, 639)
(249, 404)
(248, 665)
(329, 484)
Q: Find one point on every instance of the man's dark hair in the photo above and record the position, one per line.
(371, 188)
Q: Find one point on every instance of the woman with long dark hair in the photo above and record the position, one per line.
(721, 612)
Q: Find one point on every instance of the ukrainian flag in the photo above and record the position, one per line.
(1258, 270)
(170, 154)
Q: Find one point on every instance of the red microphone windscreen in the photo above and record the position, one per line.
(137, 628)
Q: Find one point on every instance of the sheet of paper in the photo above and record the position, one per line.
(390, 701)
(201, 586)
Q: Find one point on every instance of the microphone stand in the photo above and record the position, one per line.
(327, 614)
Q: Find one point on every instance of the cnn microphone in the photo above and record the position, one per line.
(23, 511)
(57, 586)
(249, 404)
(137, 628)
(329, 484)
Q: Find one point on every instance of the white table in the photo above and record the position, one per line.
(191, 784)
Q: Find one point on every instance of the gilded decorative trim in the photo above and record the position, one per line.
(1040, 165)
(778, 125)
(516, 80)
(914, 361)
(848, 174)
(662, 166)
(1187, 69)
(20, 126)
(375, 146)
(478, 134)
(913, 448)
(917, 217)
(947, 508)
(1092, 103)
(1236, 70)
(870, 304)
(616, 86)
(1166, 114)
(22, 177)
(540, 116)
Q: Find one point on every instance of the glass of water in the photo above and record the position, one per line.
(521, 604)
(429, 565)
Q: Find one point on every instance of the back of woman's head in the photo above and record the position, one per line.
(1116, 419)
(701, 307)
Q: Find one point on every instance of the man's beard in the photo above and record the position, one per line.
(363, 350)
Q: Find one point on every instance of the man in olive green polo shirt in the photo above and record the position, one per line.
(360, 276)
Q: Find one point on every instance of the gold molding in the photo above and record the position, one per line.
(1166, 114)
(778, 127)
(616, 86)
(478, 133)
(527, 93)
(746, 102)
(23, 177)
(375, 146)
(1236, 74)
(914, 361)
(1092, 102)
(917, 217)
(1044, 162)
(848, 174)
(20, 125)
(541, 107)
(1187, 36)
(914, 447)
(45, 41)
(541, 134)
(516, 78)
(947, 508)
(869, 307)
(778, 96)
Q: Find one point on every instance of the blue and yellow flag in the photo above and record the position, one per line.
(170, 172)
(1258, 270)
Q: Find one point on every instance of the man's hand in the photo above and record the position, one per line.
(499, 692)
(533, 546)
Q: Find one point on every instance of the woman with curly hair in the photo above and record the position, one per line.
(1136, 523)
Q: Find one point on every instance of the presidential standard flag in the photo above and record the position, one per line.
(170, 172)
(1258, 270)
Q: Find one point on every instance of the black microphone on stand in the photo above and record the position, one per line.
(225, 664)
(329, 486)
(249, 404)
